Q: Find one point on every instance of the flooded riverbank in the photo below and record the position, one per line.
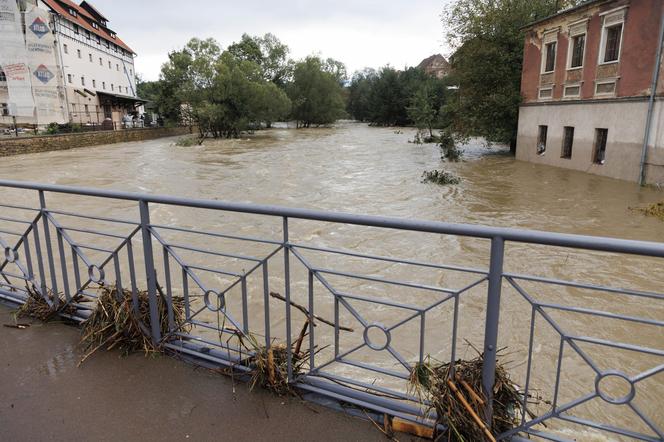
(354, 168)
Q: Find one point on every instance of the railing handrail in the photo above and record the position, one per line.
(586, 242)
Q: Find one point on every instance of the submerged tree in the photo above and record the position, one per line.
(222, 93)
(316, 93)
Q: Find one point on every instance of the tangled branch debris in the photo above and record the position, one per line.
(655, 209)
(115, 324)
(36, 306)
(455, 392)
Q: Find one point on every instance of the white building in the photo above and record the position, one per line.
(94, 69)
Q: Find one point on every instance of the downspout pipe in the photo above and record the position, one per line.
(651, 103)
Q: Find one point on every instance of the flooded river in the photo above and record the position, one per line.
(358, 169)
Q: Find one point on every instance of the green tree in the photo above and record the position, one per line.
(222, 93)
(316, 93)
(422, 110)
(488, 38)
(269, 53)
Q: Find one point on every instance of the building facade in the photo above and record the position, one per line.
(587, 90)
(94, 69)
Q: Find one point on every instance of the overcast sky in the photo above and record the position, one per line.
(360, 33)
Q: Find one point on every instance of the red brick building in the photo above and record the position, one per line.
(587, 90)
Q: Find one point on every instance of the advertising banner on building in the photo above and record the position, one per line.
(42, 60)
(14, 61)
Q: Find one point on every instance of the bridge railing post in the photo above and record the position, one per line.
(491, 324)
(150, 273)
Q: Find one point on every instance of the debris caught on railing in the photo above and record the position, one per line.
(455, 392)
(115, 324)
(36, 306)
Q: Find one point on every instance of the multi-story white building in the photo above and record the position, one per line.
(94, 69)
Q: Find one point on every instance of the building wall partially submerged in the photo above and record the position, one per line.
(622, 111)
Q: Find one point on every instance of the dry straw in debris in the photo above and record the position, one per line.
(115, 324)
(455, 392)
(37, 307)
(655, 209)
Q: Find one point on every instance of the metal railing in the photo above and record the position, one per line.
(47, 251)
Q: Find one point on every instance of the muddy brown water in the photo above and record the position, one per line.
(358, 169)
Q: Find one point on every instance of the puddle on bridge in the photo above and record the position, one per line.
(358, 169)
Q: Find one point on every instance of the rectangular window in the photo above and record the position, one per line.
(87, 110)
(90, 57)
(546, 93)
(550, 63)
(541, 139)
(83, 81)
(87, 34)
(94, 83)
(109, 64)
(4, 107)
(605, 88)
(3, 76)
(572, 91)
(578, 49)
(69, 78)
(613, 36)
(65, 48)
(599, 152)
(76, 29)
(101, 63)
(568, 141)
(117, 67)
(103, 85)
(78, 52)
(112, 88)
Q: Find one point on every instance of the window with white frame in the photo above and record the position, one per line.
(572, 91)
(550, 47)
(606, 88)
(612, 31)
(577, 45)
(546, 93)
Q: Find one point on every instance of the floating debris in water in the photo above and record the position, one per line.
(440, 177)
(655, 209)
(44, 308)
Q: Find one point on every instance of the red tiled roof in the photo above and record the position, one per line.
(92, 10)
(105, 33)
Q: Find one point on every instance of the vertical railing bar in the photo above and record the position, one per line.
(185, 293)
(118, 277)
(336, 325)
(169, 292)
(28, 257)
(132, 276)
(455, 328)
(49, 249)
(266, 300)
(245, 306)
(528, 366)
(40, 260)
(77, 270)
(289, 350)
(312, 362)
(422, 332)
(150, 272)
(491, 324)
(63, 265)
(557, 386)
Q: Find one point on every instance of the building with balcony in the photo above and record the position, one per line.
(591, 83)
(92, 69)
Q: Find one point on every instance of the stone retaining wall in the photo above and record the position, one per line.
(21, 145)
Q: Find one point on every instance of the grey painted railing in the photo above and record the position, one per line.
(43, 252)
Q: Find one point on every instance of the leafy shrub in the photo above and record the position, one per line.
(186, 142)
(440, 177)
(448, 146)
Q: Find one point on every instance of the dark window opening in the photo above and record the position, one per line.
(550, 57)
(568, 141)
(4, 108)
(612, 50)
(541, 139)
(578, 45)
(3, 77)
(599, 152)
